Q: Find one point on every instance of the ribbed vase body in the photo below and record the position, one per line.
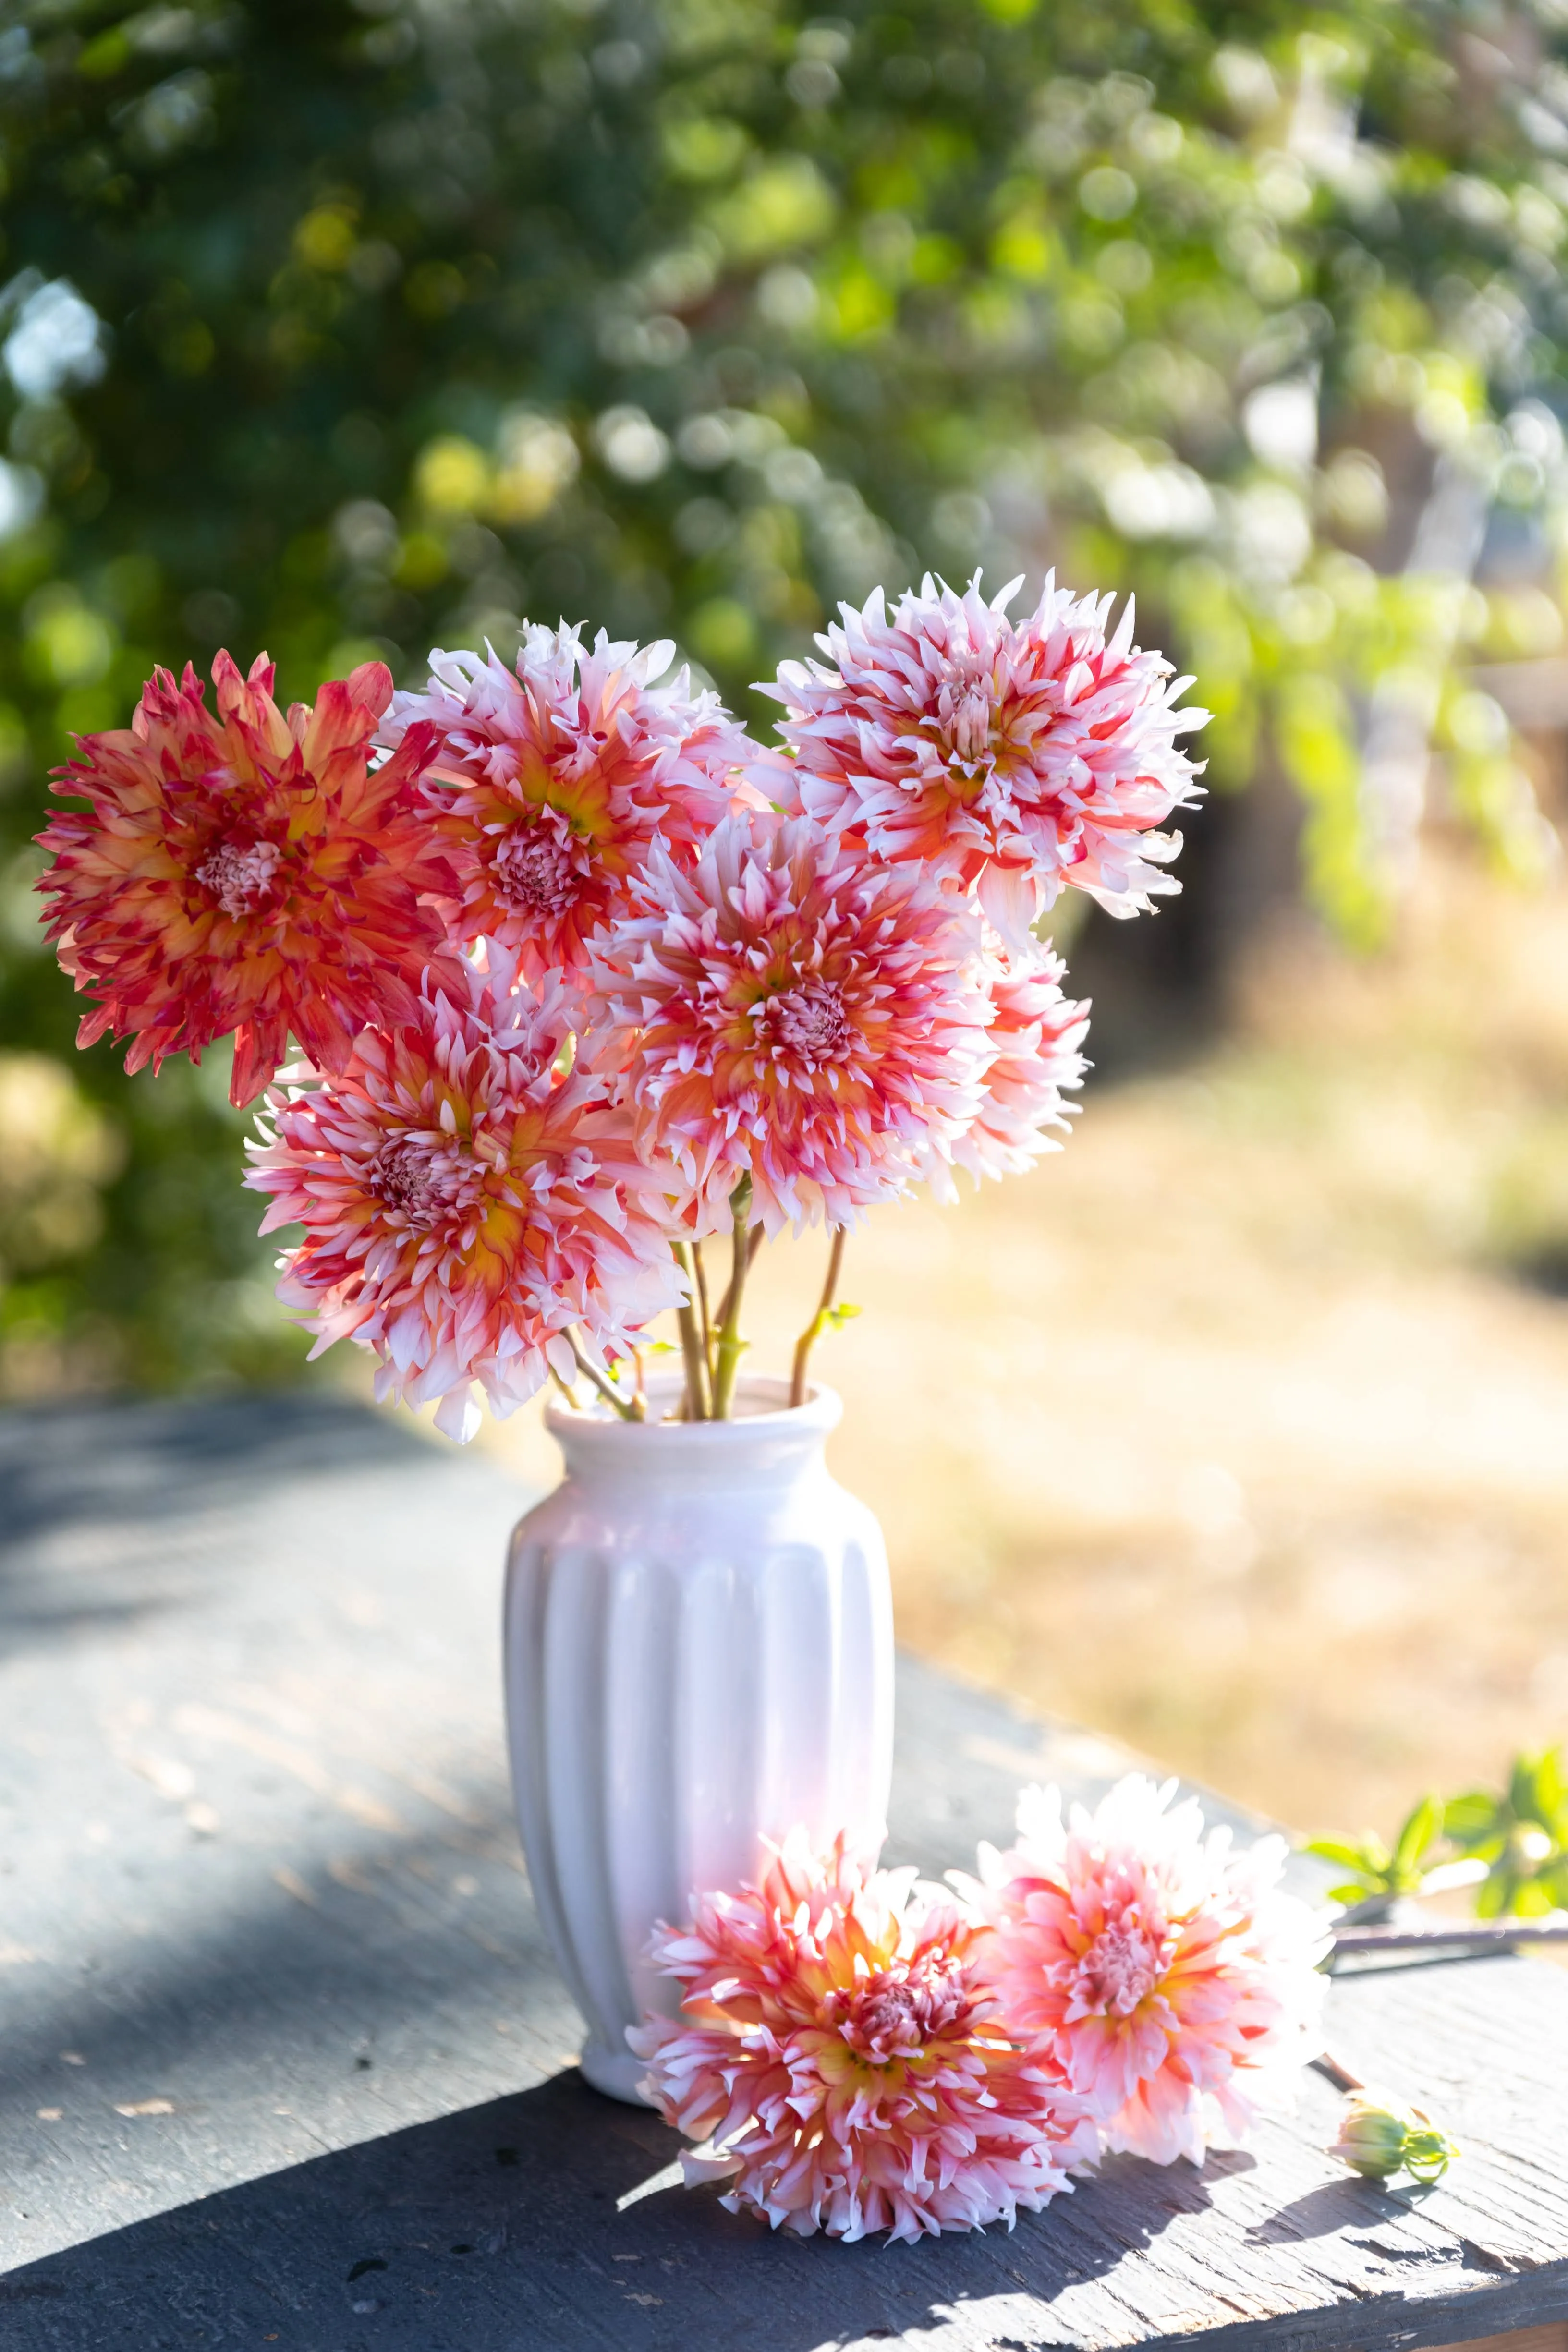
(698, 1655)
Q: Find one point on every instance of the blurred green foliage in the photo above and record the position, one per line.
(1520, 1832)
(1378, 1870)
(338, 329)
(1509, 1843)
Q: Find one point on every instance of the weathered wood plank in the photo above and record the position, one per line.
(1551, 2338)
(285, 2061)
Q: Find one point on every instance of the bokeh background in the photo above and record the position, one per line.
(1240, 1429)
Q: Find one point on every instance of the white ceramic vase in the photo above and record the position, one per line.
(698, 1655)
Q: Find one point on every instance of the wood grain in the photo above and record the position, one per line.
(285, 2061)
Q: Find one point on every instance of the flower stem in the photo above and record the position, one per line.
(729, 1340)
(691, 1348)
(702, 1274)
(752, 1246)
(813, 1329)
(612, 1396)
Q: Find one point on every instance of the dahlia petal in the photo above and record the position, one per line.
(457, 1416)
(1007, 899)
(371, 683)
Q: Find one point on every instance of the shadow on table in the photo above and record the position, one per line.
(60, 1466)
(552, 2221)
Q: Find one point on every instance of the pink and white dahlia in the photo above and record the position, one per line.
(464, 1202)
(839, 2043)
(555, 778)
(1167, 1975)
(1034, 1036)
(792, 1012)
(1009, 757)
(245, 871)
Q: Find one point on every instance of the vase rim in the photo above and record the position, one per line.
(765, 1412)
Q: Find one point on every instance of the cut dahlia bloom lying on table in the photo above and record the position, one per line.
(583, 976)
(839, 2044)
(862, 2052)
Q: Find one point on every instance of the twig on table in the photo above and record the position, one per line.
(1475, 1936)
(1338, 2073)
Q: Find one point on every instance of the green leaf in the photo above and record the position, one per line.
(1493, 1896)
(1471, 1820)
(1551, 1793)
(1419, 1833)
(1350, 1857)
(1523, 1788)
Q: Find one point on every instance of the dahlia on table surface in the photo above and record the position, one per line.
(840, 2047)
(584, 975)
(1166, 1973)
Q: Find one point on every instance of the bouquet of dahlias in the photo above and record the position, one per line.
(582, 976)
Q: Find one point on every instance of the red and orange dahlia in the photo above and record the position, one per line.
(1011, 758)
(243, 871)
(790, 1011)
(839, 2043)
(466, 1202)
(555, 778)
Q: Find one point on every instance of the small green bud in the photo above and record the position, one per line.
(1380, 2135)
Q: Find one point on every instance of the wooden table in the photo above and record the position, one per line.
(284, 2060)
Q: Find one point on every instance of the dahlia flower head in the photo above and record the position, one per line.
(1008, 758)
(245, 871)
(556, 778)
(839, 2046)
(791, 1010)
(466, 1198)
(1167, 1975)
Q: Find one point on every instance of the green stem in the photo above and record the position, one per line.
(813, 1329)
(607, 1388)
(701, 1273)
(752, 1246)
(729, 1340)
(691, 1348)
